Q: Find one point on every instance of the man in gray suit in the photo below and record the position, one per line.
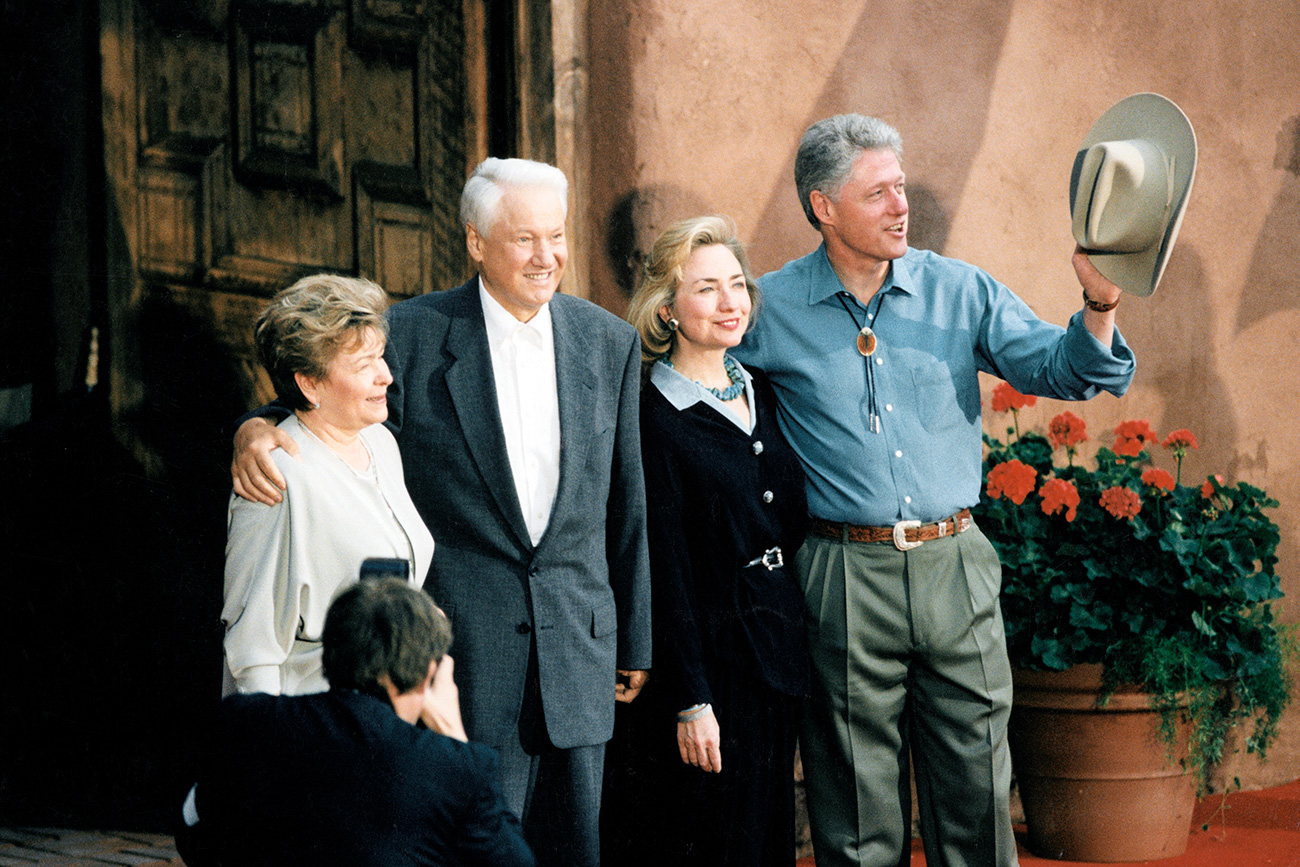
(515, 409)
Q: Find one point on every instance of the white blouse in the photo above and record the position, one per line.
(285, 563)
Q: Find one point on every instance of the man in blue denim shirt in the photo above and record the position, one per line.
(874, 348)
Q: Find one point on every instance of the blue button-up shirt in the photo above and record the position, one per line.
(939, 322)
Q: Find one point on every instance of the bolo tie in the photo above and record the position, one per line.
(867, 342)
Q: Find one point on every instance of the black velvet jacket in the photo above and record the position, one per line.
(717, 499)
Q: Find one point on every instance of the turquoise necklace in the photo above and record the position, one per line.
(732, 391)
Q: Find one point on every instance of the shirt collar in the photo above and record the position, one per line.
(683, 393)
(501, 325)
(823, 282)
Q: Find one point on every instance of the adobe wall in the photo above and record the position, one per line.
(698, 107)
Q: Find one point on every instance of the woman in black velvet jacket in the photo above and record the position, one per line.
(701, 766)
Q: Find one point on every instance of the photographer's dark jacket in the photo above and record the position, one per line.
(337, 778)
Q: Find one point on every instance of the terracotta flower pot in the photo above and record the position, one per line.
(1097, 784)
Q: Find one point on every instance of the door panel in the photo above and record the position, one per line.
(248, 143)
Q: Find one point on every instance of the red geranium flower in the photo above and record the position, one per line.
(1121, 502)
(1158, 478)
(1067, 429)
(1132, 436)
(1005, 398)
(1207, 489)
(1013, 478)
(1059, 494)
(1180, 439)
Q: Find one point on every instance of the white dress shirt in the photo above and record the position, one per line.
(523, 365)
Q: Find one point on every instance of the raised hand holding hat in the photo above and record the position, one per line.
(1129, 189)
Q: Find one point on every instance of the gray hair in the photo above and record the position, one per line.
(484, 189)
(828, 149)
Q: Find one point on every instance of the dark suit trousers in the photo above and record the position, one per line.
(556, 792)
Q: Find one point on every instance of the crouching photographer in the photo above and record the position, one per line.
(376, 771)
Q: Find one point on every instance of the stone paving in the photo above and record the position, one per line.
(54, 847)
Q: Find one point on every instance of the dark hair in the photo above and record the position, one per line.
(382, 626)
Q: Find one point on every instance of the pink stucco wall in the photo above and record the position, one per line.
(697, 107)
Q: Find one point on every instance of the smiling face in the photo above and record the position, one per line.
(354, 392)
(867, 219)
(712, 303)
(521, 258)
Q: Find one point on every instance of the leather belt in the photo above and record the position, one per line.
(905, 534)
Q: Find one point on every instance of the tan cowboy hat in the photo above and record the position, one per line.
(1129, 188)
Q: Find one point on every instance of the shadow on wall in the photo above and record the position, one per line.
(612, 29)
(1184, 373)
(940, 109)
(928, 222)
(1272, 281)
(635, 222)
(1272, 289)
(943, 119)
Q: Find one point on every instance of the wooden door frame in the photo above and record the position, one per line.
(550, 47)
(569, 94)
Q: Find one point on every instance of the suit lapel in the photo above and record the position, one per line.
(575, 379)
(473, 391)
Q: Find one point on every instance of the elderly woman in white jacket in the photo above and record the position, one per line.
(322, 343)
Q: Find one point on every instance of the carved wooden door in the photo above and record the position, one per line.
(248, 142)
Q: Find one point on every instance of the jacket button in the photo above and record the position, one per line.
(768, 496)
(758, 447)
(523, 629)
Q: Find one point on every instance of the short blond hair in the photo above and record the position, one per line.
(309, 323)
(662, 275)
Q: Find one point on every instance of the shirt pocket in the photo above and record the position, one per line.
(934, 394)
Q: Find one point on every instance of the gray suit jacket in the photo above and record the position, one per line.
(583, 591)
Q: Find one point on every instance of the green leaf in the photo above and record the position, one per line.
(1260, 587)
(1201, 625)
(1050, 653)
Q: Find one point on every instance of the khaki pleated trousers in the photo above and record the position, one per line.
(908, 655)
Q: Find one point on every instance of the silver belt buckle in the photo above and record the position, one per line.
(900, 535)
(770, 560)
